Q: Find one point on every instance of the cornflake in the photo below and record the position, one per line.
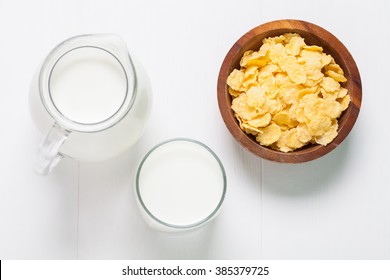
(288, 94)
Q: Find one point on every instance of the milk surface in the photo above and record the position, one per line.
(181, 183)
(88, 85)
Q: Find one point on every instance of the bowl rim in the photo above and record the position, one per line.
(279, 27)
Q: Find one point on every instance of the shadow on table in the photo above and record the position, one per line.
(193, 244)
(243, 165)
(306, 178)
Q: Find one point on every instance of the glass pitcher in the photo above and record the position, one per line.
(91, 98)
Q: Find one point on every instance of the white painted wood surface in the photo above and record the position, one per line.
(337, 207)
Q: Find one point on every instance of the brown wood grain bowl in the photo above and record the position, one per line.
(313, 35)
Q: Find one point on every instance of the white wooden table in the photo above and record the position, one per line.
(337, 207)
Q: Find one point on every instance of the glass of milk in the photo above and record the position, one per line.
(180, 185)
(91, 98)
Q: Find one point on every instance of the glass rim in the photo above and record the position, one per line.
(98, 41)
(200, 222)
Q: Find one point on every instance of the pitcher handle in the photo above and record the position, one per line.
(48, 151)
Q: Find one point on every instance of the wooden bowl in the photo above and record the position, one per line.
(313, 35)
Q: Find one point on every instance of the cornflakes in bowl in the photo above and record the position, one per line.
(289, 91)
